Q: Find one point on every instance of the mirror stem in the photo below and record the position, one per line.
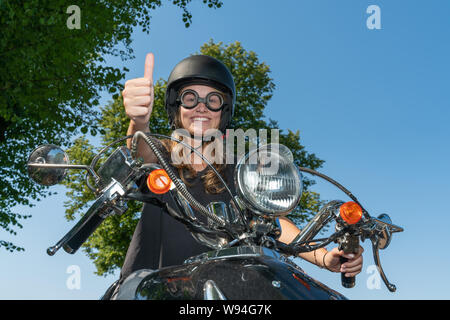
(66, 166)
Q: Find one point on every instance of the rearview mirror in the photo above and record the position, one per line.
(385, 236)
(47, 154)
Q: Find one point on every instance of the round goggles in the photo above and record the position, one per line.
(189, 99)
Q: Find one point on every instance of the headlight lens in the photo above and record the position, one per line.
(268, 181)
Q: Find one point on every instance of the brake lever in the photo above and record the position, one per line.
(380, 231)
(376, 256)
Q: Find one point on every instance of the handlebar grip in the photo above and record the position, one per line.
(75, 242)
(347, 282)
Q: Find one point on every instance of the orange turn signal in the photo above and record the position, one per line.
(350, 212)
(158, 181)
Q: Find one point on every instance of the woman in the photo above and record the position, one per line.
(200, 96)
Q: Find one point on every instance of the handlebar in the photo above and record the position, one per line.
(348, 236)
(350, 244)
(105, 205)
(119, 176)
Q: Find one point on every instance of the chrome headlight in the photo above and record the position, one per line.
(268, 181)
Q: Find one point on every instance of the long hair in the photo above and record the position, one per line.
(211, 182)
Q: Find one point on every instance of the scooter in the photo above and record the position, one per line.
(246, 260)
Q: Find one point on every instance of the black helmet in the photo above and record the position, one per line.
(205, 70)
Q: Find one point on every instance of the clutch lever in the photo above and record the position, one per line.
(380, 231)
(376, 257)
(109, 202)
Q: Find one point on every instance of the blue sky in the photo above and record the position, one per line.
(372, 103)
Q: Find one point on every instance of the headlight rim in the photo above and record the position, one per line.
(260, 211)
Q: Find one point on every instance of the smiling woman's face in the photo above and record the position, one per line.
(200, 118)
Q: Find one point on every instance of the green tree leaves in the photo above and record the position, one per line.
(51, 78)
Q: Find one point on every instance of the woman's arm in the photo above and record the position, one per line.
(143, 149)
(138, 96)
(289, 231)
(321, 257)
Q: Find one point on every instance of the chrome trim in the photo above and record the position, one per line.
(325, 214)
(276, 284)
(281, 150)
(237, 214)
(212, 292)
(104, 206)
(118, 166)
(220, 210)
(241, 251)
(183, 204)
(385, 235)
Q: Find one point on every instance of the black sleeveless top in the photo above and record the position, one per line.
(159, 240)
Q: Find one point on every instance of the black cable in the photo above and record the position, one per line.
(179, 185)
(97, 157)
(337, 184)
(207, 162)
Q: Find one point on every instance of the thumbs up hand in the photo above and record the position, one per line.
(138, 96)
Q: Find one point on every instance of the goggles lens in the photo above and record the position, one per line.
(190, 99)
